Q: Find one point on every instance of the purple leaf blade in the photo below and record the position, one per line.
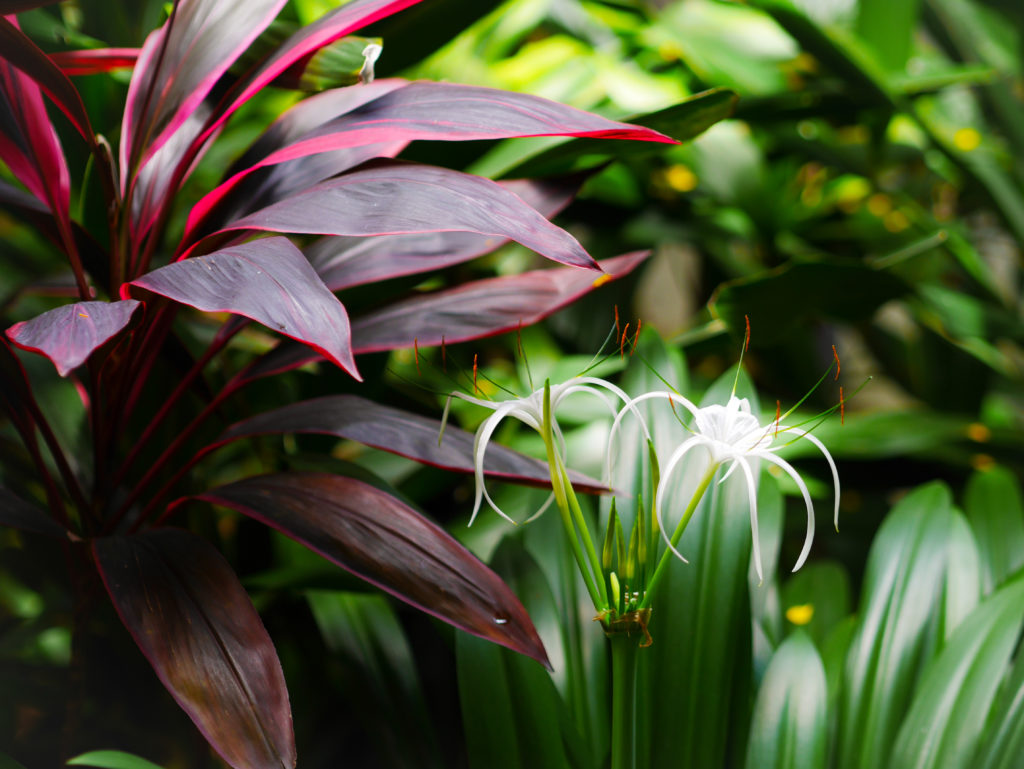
(439, 112)
(194, 622)
(179, 65)
(390, 197)
(342, 262)
(267, 280)
(482, 308)
(19, 514)
(29, 145)
(22, 53)
(231, 201)
(324, 31)
(94, 61)
(68, 335)
(400, 432)
(382, 540)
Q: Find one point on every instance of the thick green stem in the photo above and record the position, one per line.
(677, 535)
(584, 530)
(624, 654)
(559, 483)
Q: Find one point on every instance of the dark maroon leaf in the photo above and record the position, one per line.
(325, 30)
(68, 335)
(19, 514)
(179, 65)
(15, 391)
(268, 281)
(268, 185)
(397, 431)
(28, 142)
(482, 308)
(381, 539)
(22, 53)
(194, 622)
(389, 197)
(439, 112)
(342, 262)
(92, 61)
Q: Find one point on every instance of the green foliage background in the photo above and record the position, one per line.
(866, 192)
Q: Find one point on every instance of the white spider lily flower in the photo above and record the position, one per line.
(530, 411)
(733, 436)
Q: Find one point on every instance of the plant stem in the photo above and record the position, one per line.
(677, 535)
(624, 654)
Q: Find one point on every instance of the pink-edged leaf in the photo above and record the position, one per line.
(342, 262)
(26, 56)
(179, 65)
(68, 335)
(482, 308)
(19, 514)
(439, 112)
(324, 31)
(262, 187)
(268, 281)
(400, 432)
(194, 622)
(93, 61)
(381, 539)
(28, 144)
(390, 197)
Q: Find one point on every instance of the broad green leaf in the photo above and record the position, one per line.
(580, 658)
(365, 630)
(918, 584)
(788, 730)
(794, 294)
(682, 122)
(817, 598)
(698, 669)
(512, 711)
(996, 513)
(837, 51)
(111, 759)
(949, 709)
(889, 29)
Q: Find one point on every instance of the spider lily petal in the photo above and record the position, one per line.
(530, 411)
(733, 437)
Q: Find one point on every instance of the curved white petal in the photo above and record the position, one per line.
(630, 407)
(480, 441)
(831, 464)
(659, 496)
(752, 496)
(807, 499)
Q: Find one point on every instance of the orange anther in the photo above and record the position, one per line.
(618, 329)
(416, 353)
(842, 407)
(746, 339)
(636, 336)
(836, 356)
(622, 341)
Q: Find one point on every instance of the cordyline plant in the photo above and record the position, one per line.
(326, 167)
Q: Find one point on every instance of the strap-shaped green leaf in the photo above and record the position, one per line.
(788, 730)
(956, 692)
